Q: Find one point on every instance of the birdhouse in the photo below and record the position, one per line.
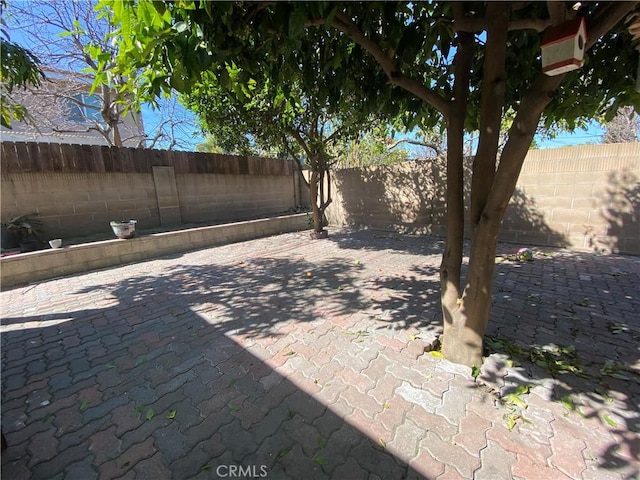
(563, 47)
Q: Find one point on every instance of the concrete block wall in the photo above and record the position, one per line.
(214, 197)
(586, 198)
(406, 197)
(76, 190)
(75, 204)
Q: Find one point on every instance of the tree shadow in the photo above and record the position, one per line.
(407, 198)
(550, 340)
(620, 208)
(525, 223)
(178, 342)
(410, 198)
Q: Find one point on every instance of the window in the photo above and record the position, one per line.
(84, 108)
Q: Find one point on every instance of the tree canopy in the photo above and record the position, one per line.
(464, 64)
(19, 68)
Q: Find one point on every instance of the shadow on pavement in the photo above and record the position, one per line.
(566, 326)
(162, 378)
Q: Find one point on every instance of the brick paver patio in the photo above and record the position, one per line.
(234, 362)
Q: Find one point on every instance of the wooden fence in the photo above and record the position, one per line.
(22, 157)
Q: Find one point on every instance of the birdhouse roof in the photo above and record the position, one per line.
(563, 31)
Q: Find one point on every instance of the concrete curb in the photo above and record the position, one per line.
(46, 264)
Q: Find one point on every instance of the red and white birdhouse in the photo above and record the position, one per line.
(563, 47)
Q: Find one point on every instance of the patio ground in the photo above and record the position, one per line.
(285, 358)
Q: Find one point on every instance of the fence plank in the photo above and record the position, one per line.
(54, 157)
(57, 159)
(10, 162)
(24, 157)
(43, 161)
(97, 161)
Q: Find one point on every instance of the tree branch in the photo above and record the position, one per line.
(491, 104)
(605, 18)
(415, 142)
(557, 11)
(478, 24)
(390, 68)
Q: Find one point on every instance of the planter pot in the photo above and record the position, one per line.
(124, 229)
(55, 243)
(31, 244)
(8, 241)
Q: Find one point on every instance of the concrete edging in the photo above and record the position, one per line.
(45, 264)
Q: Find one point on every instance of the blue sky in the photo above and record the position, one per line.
(593, 134)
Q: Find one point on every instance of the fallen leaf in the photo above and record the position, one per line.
(284, 451)
(610, 421)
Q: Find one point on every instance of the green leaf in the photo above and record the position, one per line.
(320, 460)
(516, 400)
(150, 413)
(180, 26)
(567, 402)
(84, 405)
(284, 451)
(610, 421)
(512, 420)
(234, 408)
(522, 389)
(475, 371)
(171, 414)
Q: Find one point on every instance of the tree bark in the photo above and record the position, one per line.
(450, 268)
(463, 333)
(491, 106)
(313, 199)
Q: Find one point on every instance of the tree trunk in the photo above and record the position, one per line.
(450, 267)
(463, 333)
(463, 337)
(313, 199)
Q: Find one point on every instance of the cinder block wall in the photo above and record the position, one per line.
(76, 190)
(587, 198)
(212, 197)
(76, 204)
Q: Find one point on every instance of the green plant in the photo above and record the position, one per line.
(24, 231)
